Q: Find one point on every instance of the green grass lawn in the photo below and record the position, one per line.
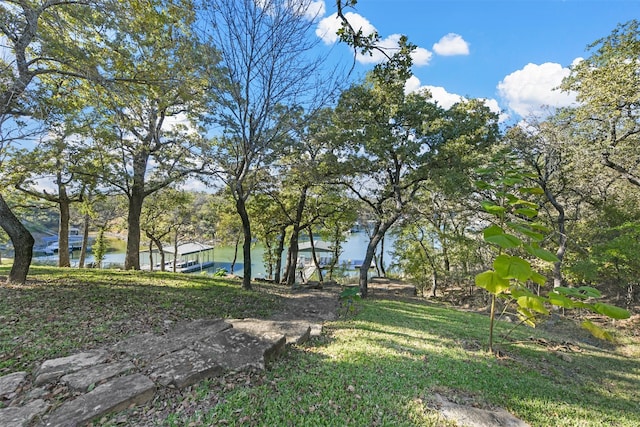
(380, 366)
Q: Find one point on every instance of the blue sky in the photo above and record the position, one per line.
(510, 52)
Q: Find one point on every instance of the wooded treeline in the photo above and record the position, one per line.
(123, 105)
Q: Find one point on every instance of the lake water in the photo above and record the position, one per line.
(353, 249)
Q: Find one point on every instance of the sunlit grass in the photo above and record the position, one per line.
(383, 366)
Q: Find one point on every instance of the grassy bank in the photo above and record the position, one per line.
(381, 366)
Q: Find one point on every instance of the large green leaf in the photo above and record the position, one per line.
(493, 208)
(560, 300)
(531, 190)
(528, 212)
(492, 282)
(611, 311)
(543, 254)
(505, 241)
(533, 302)
(512, 267)
(596, 331)
(538, 278)
(527, 231)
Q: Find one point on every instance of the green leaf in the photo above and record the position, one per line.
(527, 316)
(526, 230)
(540, 227)
(512, 181)
(505, 241)
(589, 292)
(583, 292)
(532, 302)
(596, 331)
(512, 267)
(492, 282)
(493, 208)
(611, 311)
(531, 190)
(560, 300)
(543, 254)
(519, 291)
(538, 278)
(525, 203)
(482, 185)
(528, 212)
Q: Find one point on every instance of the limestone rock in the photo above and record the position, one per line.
(296, 332)
(236, 350)
(15, 416)
(467, 416)
(82, 380)
(55, 368)
(183, 368)
(10, 383)
(114, 395)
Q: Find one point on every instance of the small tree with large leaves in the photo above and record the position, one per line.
(516, 234)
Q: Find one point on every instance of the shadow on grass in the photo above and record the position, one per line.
(59, 311)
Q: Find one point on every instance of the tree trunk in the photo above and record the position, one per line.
(246, 245)
(63, 227)
(235, 256)
(22, 242)
(313, 254)
(175, 252)
(562, 239)
(150, 255)
(85, 241)
(132, 257)
(379, 230)
(292, 264)
(280, 250)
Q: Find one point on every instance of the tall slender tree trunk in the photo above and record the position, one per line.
(379, 230)
(314, 255)
(22, 242)
(85, 240)
(246, 245)
(562, 237)
(63, 227)
(280, 250)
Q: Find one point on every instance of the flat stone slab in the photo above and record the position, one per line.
(53, 369)
(149, 347)
(296, 332)
(82, 380)
(467, 416)
(183, 368)
(10, 383)
(187, 332)
(114, 395)
(20, 416)
(236, 350)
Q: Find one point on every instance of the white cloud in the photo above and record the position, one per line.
(421, 56)
(450, 45)
(531, 90)
(315, 10)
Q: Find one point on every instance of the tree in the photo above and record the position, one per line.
(31, 32)
(144, 134)
(607, 85)
(394, 142)
(267, 52)
(52, 157)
